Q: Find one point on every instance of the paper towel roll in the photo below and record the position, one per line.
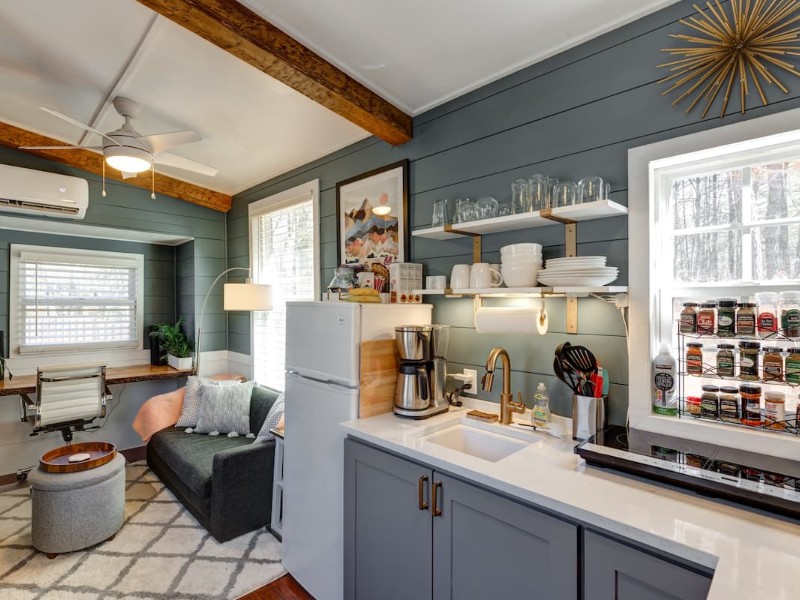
(506, 319)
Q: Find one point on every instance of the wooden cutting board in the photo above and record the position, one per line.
(379, 360)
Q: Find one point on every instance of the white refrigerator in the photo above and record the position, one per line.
(323, 363)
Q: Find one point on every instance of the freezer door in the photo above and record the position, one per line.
(313, 535)
(322, 341)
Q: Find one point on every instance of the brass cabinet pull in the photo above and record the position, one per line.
(423, 505)
(437, 511)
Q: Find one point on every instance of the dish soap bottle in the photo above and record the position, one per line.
(540, 414)
(664, 400)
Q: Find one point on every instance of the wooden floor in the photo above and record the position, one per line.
(285, 588)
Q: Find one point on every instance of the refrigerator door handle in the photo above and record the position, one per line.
(322, 381)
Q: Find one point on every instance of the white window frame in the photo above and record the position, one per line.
(773, 134)
(277, 201)
(99, 257)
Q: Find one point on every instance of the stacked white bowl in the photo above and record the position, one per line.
(521, 264)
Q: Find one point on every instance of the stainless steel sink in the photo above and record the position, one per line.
(475, 442)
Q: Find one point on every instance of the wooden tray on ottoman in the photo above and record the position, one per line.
(57, 460)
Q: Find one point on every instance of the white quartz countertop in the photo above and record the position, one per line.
(753, 555)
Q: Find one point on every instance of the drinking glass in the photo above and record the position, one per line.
(487, 208)
(539, 190)
(466, 211)
(563, 194)
(504, 209)
(520, 196)
(591, 189)
(551, 183)
(439, 213)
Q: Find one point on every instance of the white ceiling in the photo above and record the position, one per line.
(74, 56)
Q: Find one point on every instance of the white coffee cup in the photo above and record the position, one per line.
(483, 276)
(435, 282)
(459, 277)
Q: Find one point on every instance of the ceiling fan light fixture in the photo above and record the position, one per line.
(128, 160)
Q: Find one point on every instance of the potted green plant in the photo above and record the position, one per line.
(175, 343)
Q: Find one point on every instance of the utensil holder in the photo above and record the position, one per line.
(588, 416)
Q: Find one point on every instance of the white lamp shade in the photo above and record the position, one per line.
(247, 296)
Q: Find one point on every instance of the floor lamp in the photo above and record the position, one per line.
(235, 296)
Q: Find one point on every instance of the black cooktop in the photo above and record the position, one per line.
(761, 481)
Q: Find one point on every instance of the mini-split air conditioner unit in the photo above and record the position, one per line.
(30, 192)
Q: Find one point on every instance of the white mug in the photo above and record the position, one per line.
(483, 276)
(459, 277)
(435, 282)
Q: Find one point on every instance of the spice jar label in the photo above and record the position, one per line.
(705, 324)
(766, 322)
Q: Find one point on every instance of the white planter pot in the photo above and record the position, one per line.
(179, 363)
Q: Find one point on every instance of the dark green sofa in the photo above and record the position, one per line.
(226, 483)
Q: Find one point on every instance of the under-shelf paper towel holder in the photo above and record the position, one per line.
(497, 322)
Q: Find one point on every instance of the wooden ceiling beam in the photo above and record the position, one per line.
(241, 32)
(92, 162)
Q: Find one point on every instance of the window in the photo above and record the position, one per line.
(727, 227)
(283, 248)
(64, 299)
(712, 214)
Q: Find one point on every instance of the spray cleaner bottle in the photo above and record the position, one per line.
(664, 377)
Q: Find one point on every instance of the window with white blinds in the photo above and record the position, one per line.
(283, 254)
(64, 299)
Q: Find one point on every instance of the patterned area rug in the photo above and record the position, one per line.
(160, 553)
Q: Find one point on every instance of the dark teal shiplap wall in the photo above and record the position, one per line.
(170, 291)
(573, 115)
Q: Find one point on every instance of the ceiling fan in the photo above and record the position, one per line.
(129, 152)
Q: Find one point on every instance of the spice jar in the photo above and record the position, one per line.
(693, 405)
(725, 360)
(790, 313)
(729, 404)
(746, 319)
(792, 366)
(748, 360)
(706, 318)
(726, 318)
(694, 358)
(688, 322)
(767, 321)
(709, 402)
(751, 404)
(775, 410)
(773, 364)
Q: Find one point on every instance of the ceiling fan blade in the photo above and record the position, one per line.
(173, 160)
(162, 141)
(126, 175)
(98, 148)
(64, 117)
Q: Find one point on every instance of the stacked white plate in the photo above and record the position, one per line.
(577, 271)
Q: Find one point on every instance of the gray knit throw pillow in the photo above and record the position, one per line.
(225, 409)
(191, 400)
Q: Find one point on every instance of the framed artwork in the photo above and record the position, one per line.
(372, 210)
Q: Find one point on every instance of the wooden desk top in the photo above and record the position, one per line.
(26, 384)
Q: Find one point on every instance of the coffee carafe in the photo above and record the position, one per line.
(419, 392)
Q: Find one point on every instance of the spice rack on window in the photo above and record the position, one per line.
(691, 370)
(568, 216)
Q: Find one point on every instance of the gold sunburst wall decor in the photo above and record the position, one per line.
(748, 43)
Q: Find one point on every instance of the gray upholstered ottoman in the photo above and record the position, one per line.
(72, 511)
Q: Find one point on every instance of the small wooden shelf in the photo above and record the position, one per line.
(601, 209)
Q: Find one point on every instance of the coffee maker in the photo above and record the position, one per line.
(420, 390)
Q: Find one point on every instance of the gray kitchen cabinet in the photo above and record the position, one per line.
(464, 543)
(616, 571)
(487, 546)
(387, 526)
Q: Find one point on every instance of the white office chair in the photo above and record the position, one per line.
(67, 399)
